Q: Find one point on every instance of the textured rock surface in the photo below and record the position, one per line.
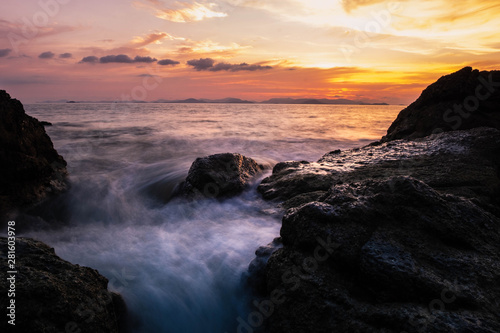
(464, 163)
(30, 167)
(53, 295)
(402, 236)
(255, 278)
(219, 176)
(462, 100)
(387, 255)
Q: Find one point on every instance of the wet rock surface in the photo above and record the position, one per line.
(401, 236)
(219, 176)
(31, 169)
(255, 278)
(53, 295)
(462, 100)
(463, 163)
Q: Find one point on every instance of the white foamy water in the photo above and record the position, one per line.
(179, 265)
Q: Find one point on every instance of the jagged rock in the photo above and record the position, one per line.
(255, 278)
(30, 167)
(374, 256)
(462, 100)
(464, 163)
(53, 295)
(219, 176)
(290, 179)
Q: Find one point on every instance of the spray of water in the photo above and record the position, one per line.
(179, 264)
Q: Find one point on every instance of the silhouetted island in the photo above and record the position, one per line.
(339, 101)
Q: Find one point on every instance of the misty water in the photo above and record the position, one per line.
(179, 264)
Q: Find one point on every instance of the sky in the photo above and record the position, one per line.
(120, 50)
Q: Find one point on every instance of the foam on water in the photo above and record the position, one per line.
(179, 265)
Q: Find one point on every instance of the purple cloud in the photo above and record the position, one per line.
(4, 52)
(208, 64)
(145, 59)
(121, 58)
(65, 56)
(89, 59)
(46, 55)
(166, 62)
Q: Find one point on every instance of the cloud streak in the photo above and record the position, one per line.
(21, 32)
(208, 64)
(166, 62)
(350, 5)
(208, 48)
(120, 59)
(153, 38)
(188, 13)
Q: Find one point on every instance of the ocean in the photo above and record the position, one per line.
(178, 264)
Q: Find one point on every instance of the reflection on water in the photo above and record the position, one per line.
(179, 265)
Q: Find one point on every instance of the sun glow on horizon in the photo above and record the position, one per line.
(244, 48)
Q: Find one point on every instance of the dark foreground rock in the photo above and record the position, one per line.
(388, 255)
(219, 176)
(403, 236)
(30, 167)
(462, 100)
(255, 277)
(53, 295)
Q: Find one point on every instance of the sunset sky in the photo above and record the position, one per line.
(370, 50)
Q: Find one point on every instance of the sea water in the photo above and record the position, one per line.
(177, 264)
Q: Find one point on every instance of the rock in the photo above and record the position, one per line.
(53, 295)
(290, 179)
(219, 176)
(30, 168)
(464, 163)
(462, 100)
(387, 255)
(46, 123)
(401, 236)
(255, 278)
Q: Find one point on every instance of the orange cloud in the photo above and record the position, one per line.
(153, 38)
(189, 13)
(208, 48)
(350, 5)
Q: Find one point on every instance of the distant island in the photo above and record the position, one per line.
(340, 101)
(232, 100)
